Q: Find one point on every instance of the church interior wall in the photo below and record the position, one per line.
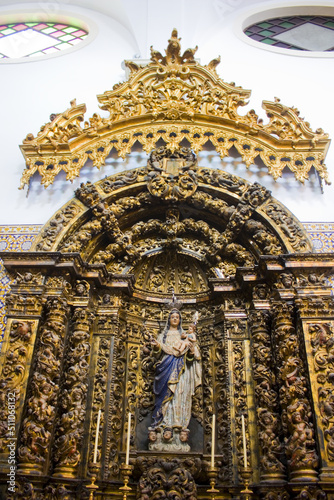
(88, 300)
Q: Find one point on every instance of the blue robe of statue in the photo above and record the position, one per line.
(175, 382)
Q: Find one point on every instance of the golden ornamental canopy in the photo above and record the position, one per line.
(174, 99)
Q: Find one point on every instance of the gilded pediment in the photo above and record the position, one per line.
(175, 100)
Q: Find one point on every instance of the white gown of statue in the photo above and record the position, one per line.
(177, 410)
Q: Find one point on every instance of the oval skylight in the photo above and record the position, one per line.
(34, 39)
(299, 32)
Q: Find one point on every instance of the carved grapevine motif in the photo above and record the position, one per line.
(208, 386)
(222, 405)
(240, 395)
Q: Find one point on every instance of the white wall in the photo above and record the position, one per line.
(31, 91)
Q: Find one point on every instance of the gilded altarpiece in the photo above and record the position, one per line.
(92, 294)
(128, 259)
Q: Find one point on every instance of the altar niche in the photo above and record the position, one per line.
(161, 292)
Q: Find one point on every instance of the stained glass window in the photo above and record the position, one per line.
(32, 39)
(307, 33)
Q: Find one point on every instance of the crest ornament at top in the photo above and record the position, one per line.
(171, 175)
(171, 100)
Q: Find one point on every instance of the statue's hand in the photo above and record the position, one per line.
(154, 342)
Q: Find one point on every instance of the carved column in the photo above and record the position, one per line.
(266, 396)
(70, 431)
(223, 448)
(102, 353)
(37, 426)
(317, 318)
(241, 394)
(296, 409)
(15, 362)
(208, 381)
(115, 398)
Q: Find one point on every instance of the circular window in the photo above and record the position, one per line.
(35, 39)
(299, 32)
(27, 36)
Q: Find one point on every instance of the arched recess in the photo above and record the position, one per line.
(97, 286)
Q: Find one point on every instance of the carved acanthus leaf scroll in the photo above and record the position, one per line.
(100, 212)
(321, 338)
(171, 99)
(14, 371)
(168, 478)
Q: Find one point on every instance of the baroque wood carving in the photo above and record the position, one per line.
(89, 301)
(174, 99)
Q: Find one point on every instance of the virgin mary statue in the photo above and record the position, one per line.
(178, 373)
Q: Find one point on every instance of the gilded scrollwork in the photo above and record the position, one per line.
(288, 226)
(115, 419)
(170, 174)
(266, 395)
(316, 306)
(175, 98)
(69, 433)
(15, 357)
(321, 338)
(55, 226)
(24, 305)
(167, 478)
(297, 422)
(311, 493)
(37, 426)
(275, 494)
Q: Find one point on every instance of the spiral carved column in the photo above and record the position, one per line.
(271, 449)
(70, 431)
(297, 423)
(37, 426)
